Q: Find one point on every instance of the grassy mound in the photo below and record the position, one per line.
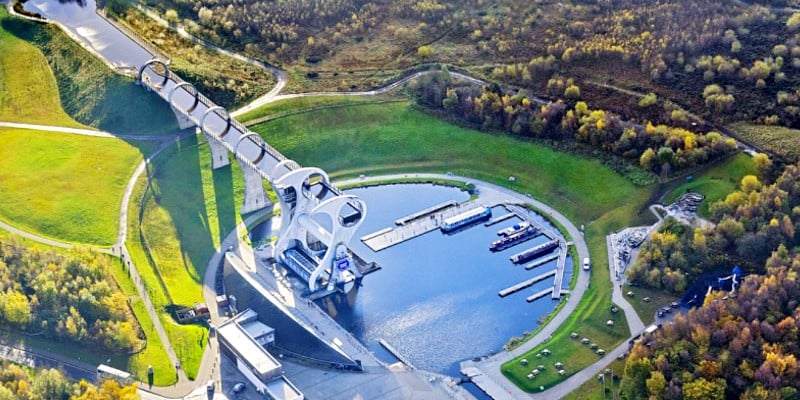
(28, 89)
(64, 186)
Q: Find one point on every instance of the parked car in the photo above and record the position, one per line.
(239, 387)
(586, 263)
(210, 385)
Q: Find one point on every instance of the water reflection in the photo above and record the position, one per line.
(80, 18)
(81, 3)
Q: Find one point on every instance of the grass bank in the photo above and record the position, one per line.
(89, 91)
(49, 175)
(716, 182)
(394, 137)
(305, 103)
(28, 89)
(589, 318)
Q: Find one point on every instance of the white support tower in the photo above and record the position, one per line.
(301, 211)
(317, 219)
(219, 153)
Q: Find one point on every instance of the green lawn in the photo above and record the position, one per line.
(783, 141)
(647, 309)
(393, 137)
(28, 89)
(89, 91)
(593, 388)
(716, 182)
(63, 186)
(195, 204)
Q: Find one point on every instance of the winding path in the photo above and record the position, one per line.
(78, 131)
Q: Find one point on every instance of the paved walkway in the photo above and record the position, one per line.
(80, 131)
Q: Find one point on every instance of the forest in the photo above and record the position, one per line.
(17, 383)
(750, 224)
(737, 345)
(724, 60)
(65, 297)
(659, 149)
(744, 346)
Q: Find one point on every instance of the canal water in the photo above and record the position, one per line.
(83, 23)
(435, 299)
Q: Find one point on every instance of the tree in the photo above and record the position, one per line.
(793, 22)
(15, 308)
(572, 92)
(763, 164)
(702, 389)
(656, 384)
(649, 100)
(49, 384)
(425, 51)
(205, 15)
(171, 16)
(750, 183)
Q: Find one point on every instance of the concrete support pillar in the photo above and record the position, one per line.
(184, 122)
(255, 197)
(219, 153)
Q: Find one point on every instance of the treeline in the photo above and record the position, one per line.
(751, 223)
(65, 297)
(676, 47)
(659, 149)
(744, 346)
(18, 383)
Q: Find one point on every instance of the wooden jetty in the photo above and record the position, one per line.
(411, 228)
(560, 265)
(522, 285)
(425, 212)
(539, 295)
(500, 219)
(541, 261)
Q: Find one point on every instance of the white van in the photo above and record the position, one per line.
(586, 263)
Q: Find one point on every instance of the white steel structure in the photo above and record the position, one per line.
(317, 219)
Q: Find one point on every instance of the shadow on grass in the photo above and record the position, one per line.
(224, 196)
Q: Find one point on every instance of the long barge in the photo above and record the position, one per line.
(534, 252)
(514, 239)
(466, 218)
